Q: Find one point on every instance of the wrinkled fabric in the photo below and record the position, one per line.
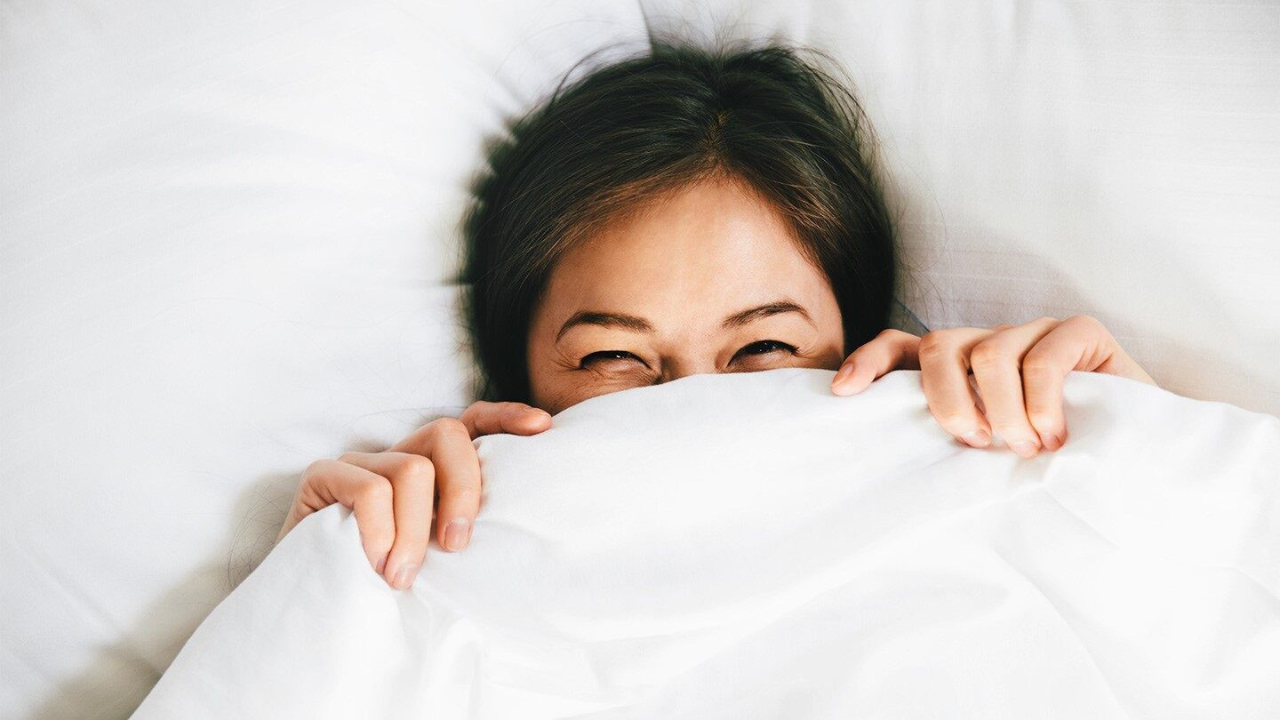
(751, 546)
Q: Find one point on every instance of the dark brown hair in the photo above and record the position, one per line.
(634, 129)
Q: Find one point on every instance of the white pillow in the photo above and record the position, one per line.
(1115, 159)
(228, 242)
(228, 229)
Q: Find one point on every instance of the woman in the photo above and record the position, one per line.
(683, 212)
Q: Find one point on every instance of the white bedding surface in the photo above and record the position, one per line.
(750, 546)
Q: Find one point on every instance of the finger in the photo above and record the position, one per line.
(367, 493)
(1078, 343)
(944, 374)
(997, 368)
(483, 418)
(1101, 352)
(412, 478)
(488, 418)
(890, 350)
(458, 482)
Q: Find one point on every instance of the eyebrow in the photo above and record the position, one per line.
(639, 324)
(776, 307)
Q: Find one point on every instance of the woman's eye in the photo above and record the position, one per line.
(764, 347)
(606, 355)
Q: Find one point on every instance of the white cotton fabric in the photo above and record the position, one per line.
(751, 546)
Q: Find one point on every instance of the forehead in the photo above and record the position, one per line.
(716, 243)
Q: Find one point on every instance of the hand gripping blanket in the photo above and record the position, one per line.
(751, 546)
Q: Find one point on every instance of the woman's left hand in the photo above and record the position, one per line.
(1019, 371)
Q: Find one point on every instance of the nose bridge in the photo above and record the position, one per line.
(693, 360)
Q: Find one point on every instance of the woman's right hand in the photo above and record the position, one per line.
(392, 493)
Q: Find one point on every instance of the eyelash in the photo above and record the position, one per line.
(768, 345)
(772, 345)
(606, 355)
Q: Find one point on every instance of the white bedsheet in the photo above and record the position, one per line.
(750, 546)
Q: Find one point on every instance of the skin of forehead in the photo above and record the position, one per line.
(683, 263)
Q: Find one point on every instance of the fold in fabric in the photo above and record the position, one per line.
(752, 546)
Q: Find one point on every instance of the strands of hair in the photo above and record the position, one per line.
(629, 132)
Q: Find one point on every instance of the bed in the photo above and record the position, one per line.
(228, 239)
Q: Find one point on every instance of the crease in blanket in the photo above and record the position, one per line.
(752, 546)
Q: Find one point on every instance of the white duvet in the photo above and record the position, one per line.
(750, 546)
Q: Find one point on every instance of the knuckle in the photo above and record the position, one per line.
(450, 427)
(348, 457)
(317, 469)
(477, 407)
(1085, 321)
(414, 466)
(934, 344)
(1038, 366)
(374, 492)
(987, 355)
(472, 410)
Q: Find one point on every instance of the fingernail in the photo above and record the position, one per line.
(976, 438)
(457, 534)
(1024, 448)
(1052, 442)
(382, 564)
(404, 577)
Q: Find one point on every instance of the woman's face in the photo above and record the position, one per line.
(706, 280)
